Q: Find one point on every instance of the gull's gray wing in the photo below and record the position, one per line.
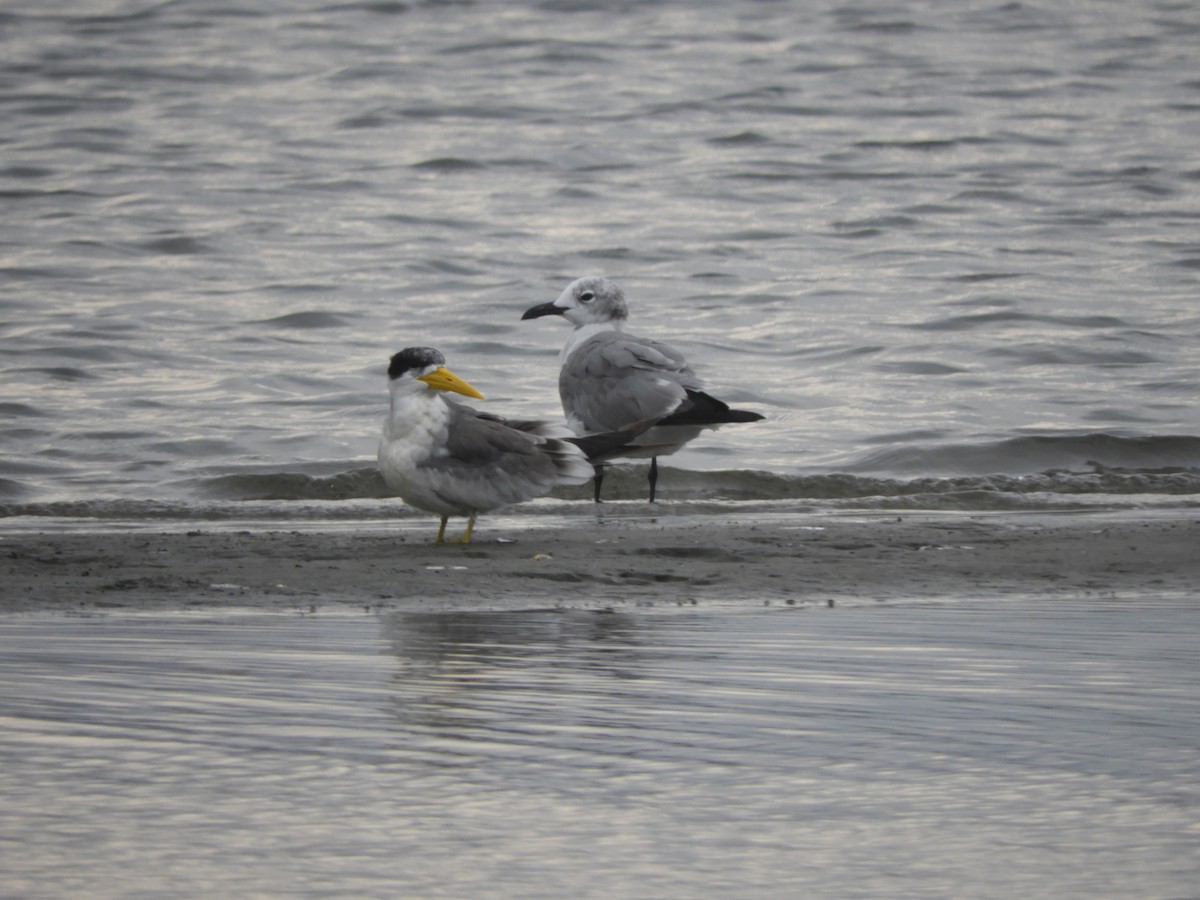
(614, 379)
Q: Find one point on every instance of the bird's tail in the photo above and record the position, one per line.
(571, 466)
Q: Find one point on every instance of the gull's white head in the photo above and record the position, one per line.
(586, 301)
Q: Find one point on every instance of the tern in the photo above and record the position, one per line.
(609, 379)
(446, 458)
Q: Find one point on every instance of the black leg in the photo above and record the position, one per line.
(598, 479)
(653, 476)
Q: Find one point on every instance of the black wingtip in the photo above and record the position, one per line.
(744, 415)
(703, 409)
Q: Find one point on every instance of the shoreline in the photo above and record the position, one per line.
(796, 560)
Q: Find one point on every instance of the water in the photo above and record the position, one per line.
(992, 749)
(948, 248)
(930, 240)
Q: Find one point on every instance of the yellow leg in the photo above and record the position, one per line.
(466, 538)
(466, 535)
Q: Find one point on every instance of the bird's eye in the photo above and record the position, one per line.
(587, 297)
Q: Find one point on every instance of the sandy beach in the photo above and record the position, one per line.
(582, 562)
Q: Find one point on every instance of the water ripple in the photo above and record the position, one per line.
(843, 192)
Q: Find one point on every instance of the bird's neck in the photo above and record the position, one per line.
(420, 411)
(585, 332)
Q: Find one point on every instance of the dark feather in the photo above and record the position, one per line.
(703, 409)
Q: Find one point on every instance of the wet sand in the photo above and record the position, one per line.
(582, 562)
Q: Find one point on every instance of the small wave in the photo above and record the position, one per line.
(176, 245)
(876, 223)
(365, 483)
(755, 234)
(309, 319)
(58, 373)
(449, 164)
(361, 496)
(1038, 453)
(1055, 355)
(628, 482)
(378, 8)
(136, 513)
(12, 489)
(1004, 317)
(365, 120)
(978, 277)
(1098, 463)
(20, 410)
(25, 172)
(740, 139)
(919, 367)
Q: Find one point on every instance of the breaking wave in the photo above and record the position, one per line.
(361, 495)
(1031, 454)
(1088, 471)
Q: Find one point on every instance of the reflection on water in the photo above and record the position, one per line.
(1001, 749)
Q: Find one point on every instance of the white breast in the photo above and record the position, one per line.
(413, 433)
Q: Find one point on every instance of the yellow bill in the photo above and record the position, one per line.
(442, 379)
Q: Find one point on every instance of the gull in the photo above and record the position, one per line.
(446, 458)
(609, 380)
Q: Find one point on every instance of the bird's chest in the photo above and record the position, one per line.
(415, 432)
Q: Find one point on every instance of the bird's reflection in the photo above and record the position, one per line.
(432, 636)
(476, 674)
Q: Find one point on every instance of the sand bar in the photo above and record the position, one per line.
(588, 562)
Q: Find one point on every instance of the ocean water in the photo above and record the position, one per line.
(949, 249)
(984, 750)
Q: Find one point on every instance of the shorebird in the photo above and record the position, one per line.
(446, 458)
(610, 379)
